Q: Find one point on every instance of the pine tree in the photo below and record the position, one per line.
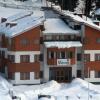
(80, 7)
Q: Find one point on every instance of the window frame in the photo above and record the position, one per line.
(24, 58)
(86, 57)
(97, 56)
(24, 75)
(24, 42)
(11, 58)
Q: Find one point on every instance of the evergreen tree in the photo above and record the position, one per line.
(80, 7)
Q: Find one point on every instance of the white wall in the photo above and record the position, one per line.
(18, 53)
(31, 81)
(92, 54)
(46, 68)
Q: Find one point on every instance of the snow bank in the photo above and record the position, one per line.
(32, 92)
(4, 89)
(84, 84)
(77, 89)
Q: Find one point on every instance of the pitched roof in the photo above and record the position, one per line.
(23, 21)
(78, 19)
(57, 26)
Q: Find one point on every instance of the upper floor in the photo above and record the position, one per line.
(28, 41)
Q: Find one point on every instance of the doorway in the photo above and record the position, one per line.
(60, 74)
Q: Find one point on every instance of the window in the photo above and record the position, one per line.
(67, 54)
(25, 58)
(97, 57)
(0, 54)
(25, 76)
(97, 74)
(79, 57)
(62, 37)
(3, 54)
(11, 58)
(11, 75)
(37, 75)
(41, 57)
(77, 27)
(24, 42)
(98, 40)
(62, 55)
(36, 58)
(51, 54)
(57, 37)
(70, 54)
(86, 57)
(41, 74)
(72, 37)
(79, 73)
(48, 37)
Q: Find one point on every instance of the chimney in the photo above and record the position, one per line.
(11, 24)
(7, 24)
(3, 20)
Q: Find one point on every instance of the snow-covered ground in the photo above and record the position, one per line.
(78, 89)
(29, 4)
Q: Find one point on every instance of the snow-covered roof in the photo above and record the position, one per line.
(24, 24)
(57, 26)
(97, 12)
(63, 44)
(24, 21)
(7, 12)
(78, 19)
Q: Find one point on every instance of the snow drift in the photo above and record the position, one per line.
(4, 89)
(77, 89)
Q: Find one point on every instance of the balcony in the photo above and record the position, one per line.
(61, 62)
(69, 39)
(22, 67)
(25, 48)
(93, 65)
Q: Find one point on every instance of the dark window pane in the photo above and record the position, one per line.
(79, 57)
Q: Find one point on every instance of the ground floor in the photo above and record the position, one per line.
(24, 78)
(78, 89)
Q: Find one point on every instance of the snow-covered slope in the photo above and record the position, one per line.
(5, 89)
(77, 89)
(28, 4)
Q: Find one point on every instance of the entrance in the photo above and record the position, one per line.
(60, 74)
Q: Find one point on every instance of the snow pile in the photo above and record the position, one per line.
(34, 91)
(84, 85)
(77, 89)
(4, 89)
(62, 44)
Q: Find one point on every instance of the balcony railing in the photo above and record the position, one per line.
(61, 62)
(93, 65)
(22, 67)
